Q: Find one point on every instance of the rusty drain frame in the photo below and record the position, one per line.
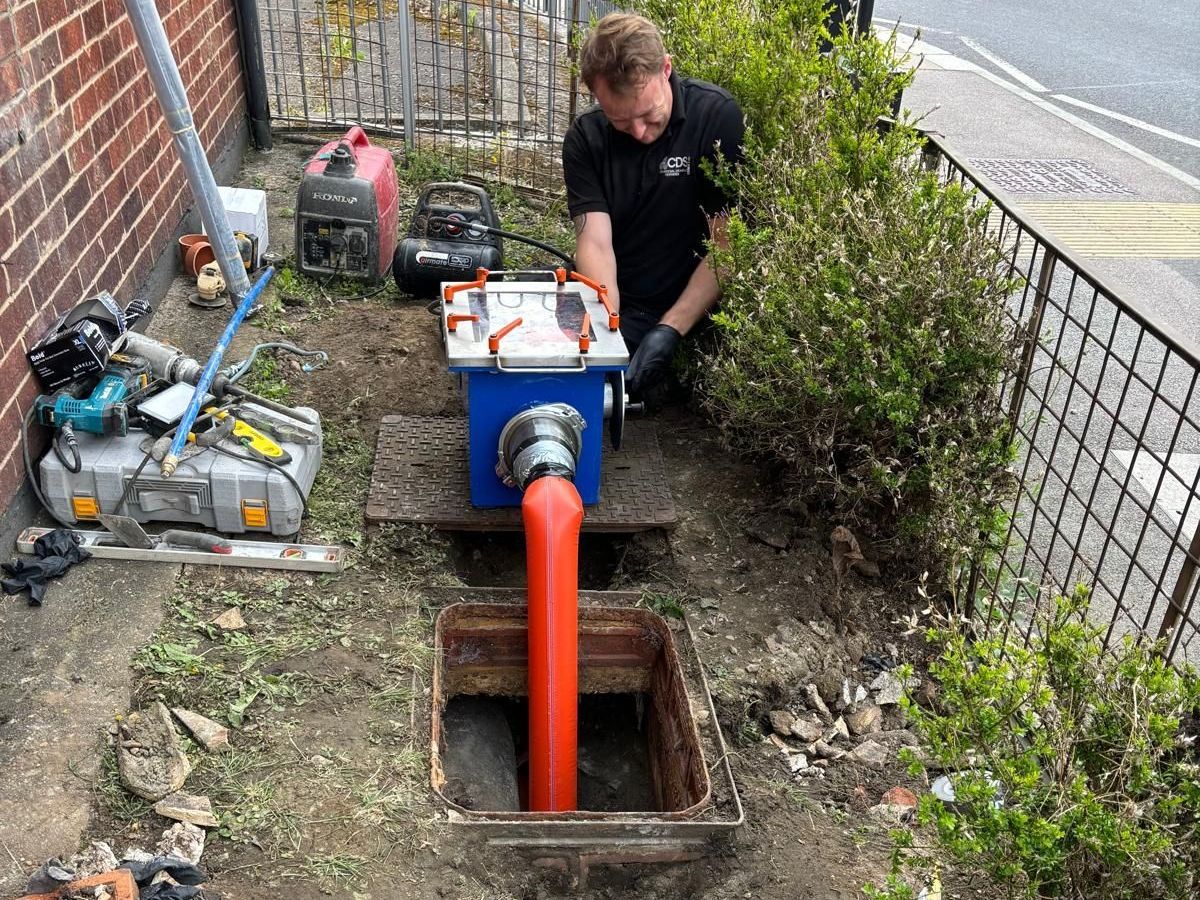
(574, 841)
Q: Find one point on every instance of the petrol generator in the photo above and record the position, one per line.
(346, 211)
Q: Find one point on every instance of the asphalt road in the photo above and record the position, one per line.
(1137, 59)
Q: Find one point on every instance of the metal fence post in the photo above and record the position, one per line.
(1032, 329)
(384, 67)
(408, 74)
(1183, 587)
(573, 60)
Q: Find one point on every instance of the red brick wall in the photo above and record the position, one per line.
(91, 187)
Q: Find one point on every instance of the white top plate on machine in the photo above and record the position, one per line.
(548, 337)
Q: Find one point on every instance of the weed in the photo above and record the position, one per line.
(421, 166)
(171, 660)
(666, 605)
(266, 378)
(336, 867)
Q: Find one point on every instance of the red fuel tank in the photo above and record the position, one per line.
(346, 210)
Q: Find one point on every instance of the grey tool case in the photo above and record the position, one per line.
(209, 488)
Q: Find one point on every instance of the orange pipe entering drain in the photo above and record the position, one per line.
(553, 513)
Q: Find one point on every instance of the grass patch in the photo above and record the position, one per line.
(339, 494)
(267, 378)
(111, 794)
(337, 868)
(222, 674)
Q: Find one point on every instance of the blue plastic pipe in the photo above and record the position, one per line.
(171, 460)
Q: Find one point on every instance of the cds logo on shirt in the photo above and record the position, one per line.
(672, 166)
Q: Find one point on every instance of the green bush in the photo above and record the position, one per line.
(862, 326)
(1079, 773)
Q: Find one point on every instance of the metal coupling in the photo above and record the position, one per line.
(543, 440)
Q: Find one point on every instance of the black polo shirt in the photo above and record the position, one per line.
(656, 194)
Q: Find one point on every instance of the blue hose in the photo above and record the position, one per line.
(171, 460)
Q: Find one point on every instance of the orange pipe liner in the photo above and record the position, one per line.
(496, 336)
(553, 514)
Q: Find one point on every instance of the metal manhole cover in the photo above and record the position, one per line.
(1048, 176)
(421, 477)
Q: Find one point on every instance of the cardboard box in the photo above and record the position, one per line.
(78, 343)
(68, 352)
(246, 210)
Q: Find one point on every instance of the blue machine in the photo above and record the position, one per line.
(524, 344)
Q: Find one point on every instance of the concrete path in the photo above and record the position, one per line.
(64, 675)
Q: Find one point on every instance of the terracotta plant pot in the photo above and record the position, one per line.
(198, 255)
(186, 241)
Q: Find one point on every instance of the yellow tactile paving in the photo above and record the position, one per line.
(1121, 229)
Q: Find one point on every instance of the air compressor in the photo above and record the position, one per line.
(452, 233)
(346, 210)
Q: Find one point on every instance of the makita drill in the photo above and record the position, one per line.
(102, 410)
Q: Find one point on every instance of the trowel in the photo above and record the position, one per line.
(130, 533)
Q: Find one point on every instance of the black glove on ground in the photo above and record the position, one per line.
(652, 359)
(57, 550)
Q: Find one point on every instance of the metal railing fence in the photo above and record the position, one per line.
(488, 85)
(1104, 409)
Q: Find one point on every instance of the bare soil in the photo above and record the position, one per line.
(327, 793)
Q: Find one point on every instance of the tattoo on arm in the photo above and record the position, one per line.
(580, 222)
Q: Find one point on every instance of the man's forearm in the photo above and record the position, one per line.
(698, 297)
(594, 255)
(702, 290)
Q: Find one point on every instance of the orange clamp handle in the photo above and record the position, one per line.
(585, 333)
(614, 318)
(560, 275)
(496, 336)
(593, 284)
(453, 319)
(481, 276)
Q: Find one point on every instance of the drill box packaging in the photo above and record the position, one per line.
(79, 343)
(212, 489)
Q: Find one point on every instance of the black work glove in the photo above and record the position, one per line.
(652, 359)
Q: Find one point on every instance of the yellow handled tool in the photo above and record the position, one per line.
(257, 443)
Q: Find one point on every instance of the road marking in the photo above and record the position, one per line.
(946, 60)
(1129, 120)
(1121, 229)
(889, 24)
(1030, 82)
(1176, 487)
(1123, 84)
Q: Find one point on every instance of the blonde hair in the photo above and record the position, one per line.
(624, 50)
